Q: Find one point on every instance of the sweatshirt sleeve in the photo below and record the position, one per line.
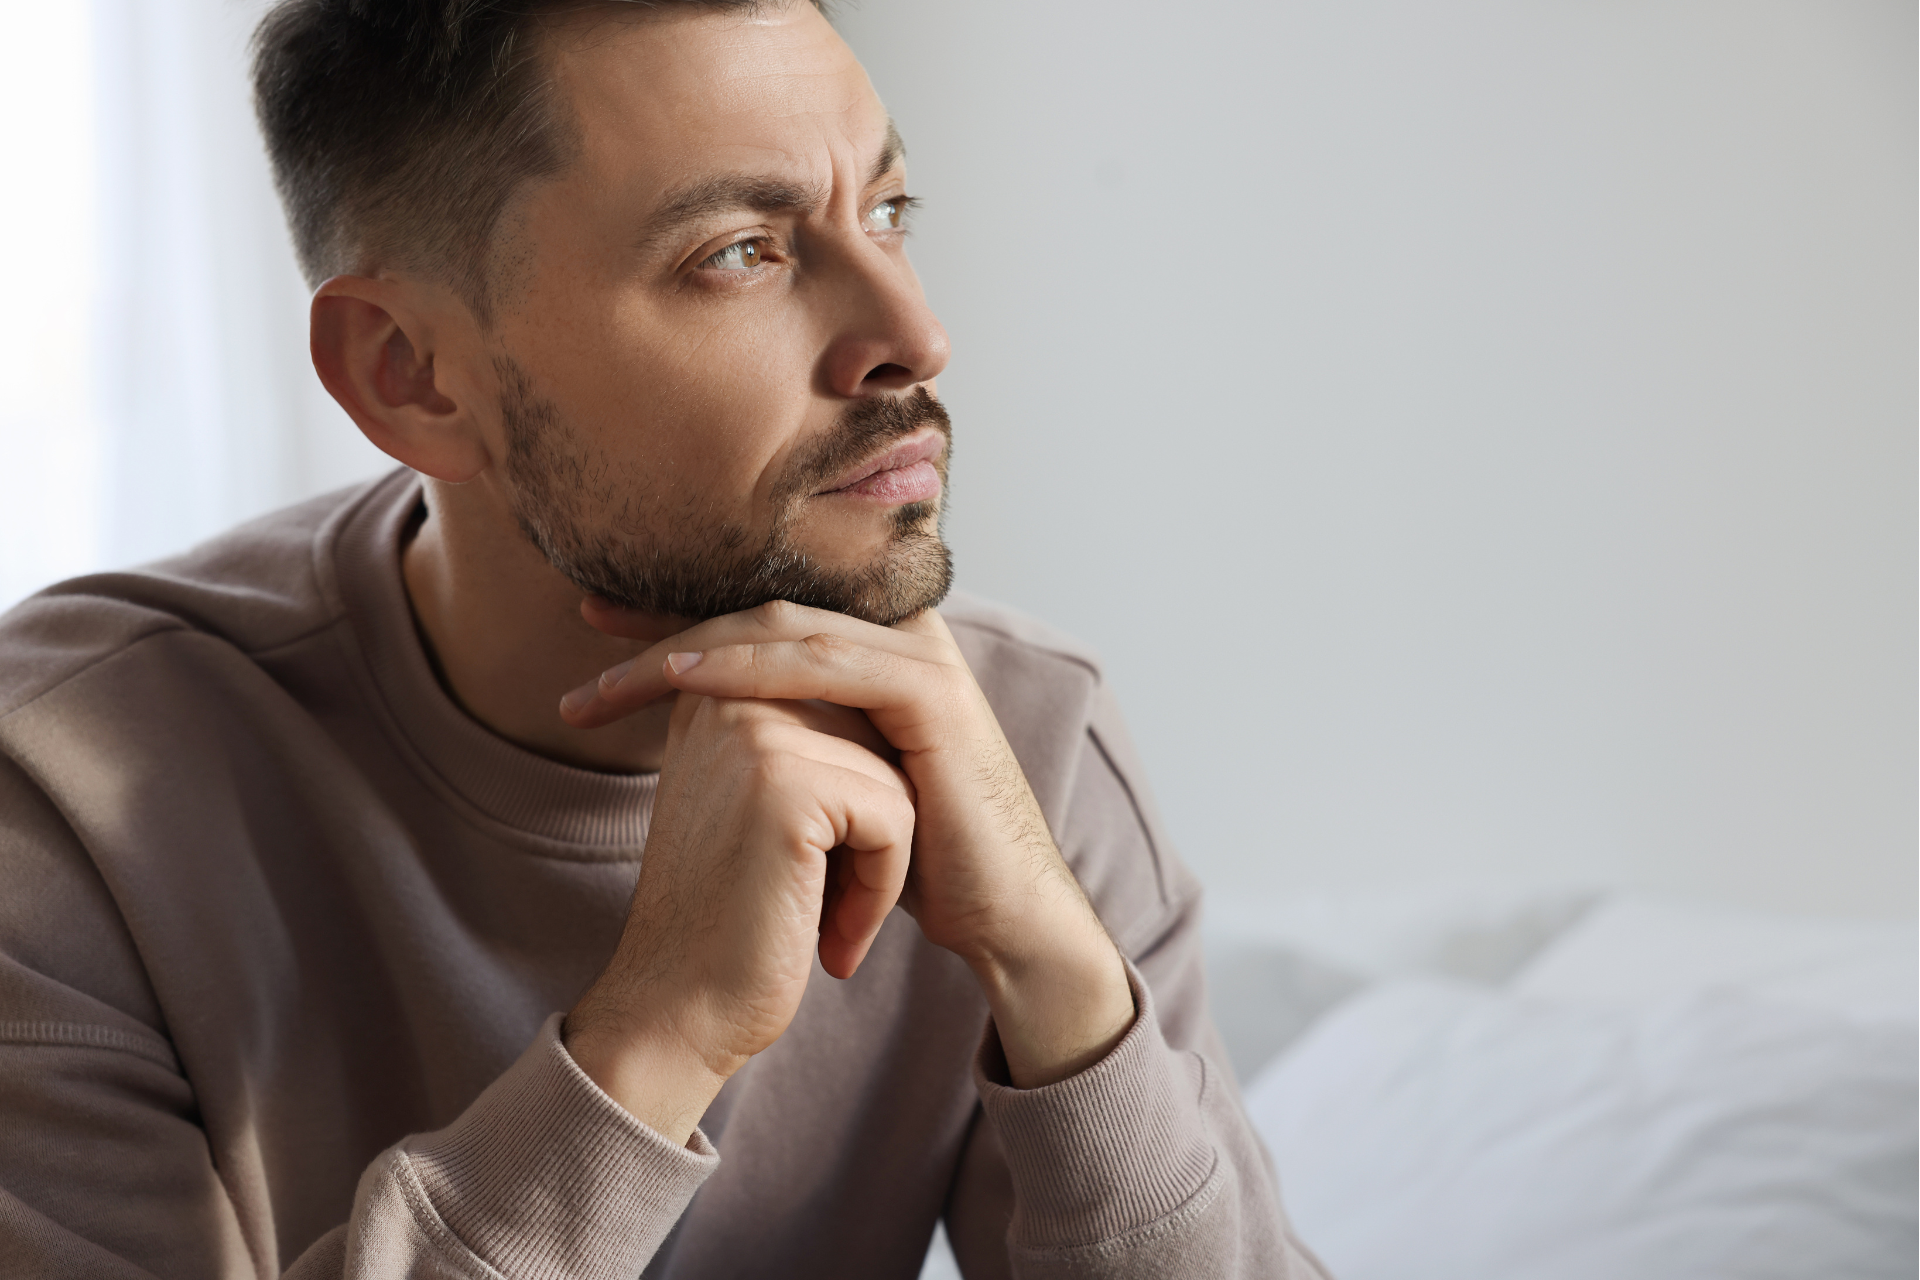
(1144, 1164)
(105, 1174)
(543, 1176)
(106, 1170)
(1141, 1165)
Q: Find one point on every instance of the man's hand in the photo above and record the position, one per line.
(986, 880)
(774, 831)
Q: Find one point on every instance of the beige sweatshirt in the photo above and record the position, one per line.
(284, 938)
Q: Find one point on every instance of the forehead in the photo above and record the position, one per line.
(661, 93)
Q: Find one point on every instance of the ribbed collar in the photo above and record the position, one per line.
(601, 815)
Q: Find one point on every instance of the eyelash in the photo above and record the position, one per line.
(906, 205)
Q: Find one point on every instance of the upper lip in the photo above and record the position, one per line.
(923, 445)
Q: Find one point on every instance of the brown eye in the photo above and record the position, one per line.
(743, 255)
(888, 215)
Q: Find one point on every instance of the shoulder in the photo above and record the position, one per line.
(255, 588)
(112, 688)
(997, 630)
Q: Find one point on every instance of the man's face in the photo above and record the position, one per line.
(708, 336)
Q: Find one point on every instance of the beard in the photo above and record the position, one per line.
(571, 506)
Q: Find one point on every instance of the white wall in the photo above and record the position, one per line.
(1480, 436)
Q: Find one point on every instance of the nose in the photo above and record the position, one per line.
(885, 336)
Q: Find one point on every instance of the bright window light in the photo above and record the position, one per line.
(50, 491)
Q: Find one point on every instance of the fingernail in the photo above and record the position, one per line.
(615, 674)
(578, 698)
(684, 662)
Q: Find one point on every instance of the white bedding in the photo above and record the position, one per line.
(1433, 1130)
(1663, 1092)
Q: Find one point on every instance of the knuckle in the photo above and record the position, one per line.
(777, 614)
(954, 692)
(825, 645)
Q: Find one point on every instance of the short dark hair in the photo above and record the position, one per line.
(399, 129)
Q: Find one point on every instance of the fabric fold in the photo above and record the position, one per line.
(548, 1178)
(1115, 1148)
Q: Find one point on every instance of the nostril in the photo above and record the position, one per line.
(889, 373)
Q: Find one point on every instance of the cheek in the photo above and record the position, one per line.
(700, 399)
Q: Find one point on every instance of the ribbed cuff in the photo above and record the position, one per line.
(1105, 1152)
(546, 1177)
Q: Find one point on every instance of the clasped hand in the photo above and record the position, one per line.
(818, 770)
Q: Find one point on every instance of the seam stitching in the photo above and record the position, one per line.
(439, 1234)
(1146, 831)
(1196, 1204)
(87, 1035)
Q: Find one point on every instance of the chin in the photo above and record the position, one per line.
(844, 545)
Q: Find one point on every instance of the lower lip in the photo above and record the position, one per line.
(915, 482)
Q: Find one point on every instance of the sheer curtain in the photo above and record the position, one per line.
(50, 499)
(155, 355)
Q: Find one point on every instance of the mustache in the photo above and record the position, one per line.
(864, 429)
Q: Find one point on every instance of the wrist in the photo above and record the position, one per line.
(652, 1072)
(1059, 997)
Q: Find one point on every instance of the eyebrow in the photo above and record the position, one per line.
(727, 192)
(892, 152)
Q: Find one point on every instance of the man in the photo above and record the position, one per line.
(427, 880)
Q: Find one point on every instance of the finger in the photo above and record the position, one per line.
(867, 868)
(781, 731)
(603, 614)
(906, 699)
(641, 681)
(850, 723)
(853, 915)
(775, 620)
(832, 750)
(928, 623)
(865, 885)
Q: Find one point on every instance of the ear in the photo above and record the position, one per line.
(374, 348)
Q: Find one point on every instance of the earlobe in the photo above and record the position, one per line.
(374, 356)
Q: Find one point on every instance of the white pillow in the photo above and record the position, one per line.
(1276, 965)
(1637, 952)
(1432, 1130)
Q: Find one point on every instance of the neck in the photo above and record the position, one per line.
(504, 631)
